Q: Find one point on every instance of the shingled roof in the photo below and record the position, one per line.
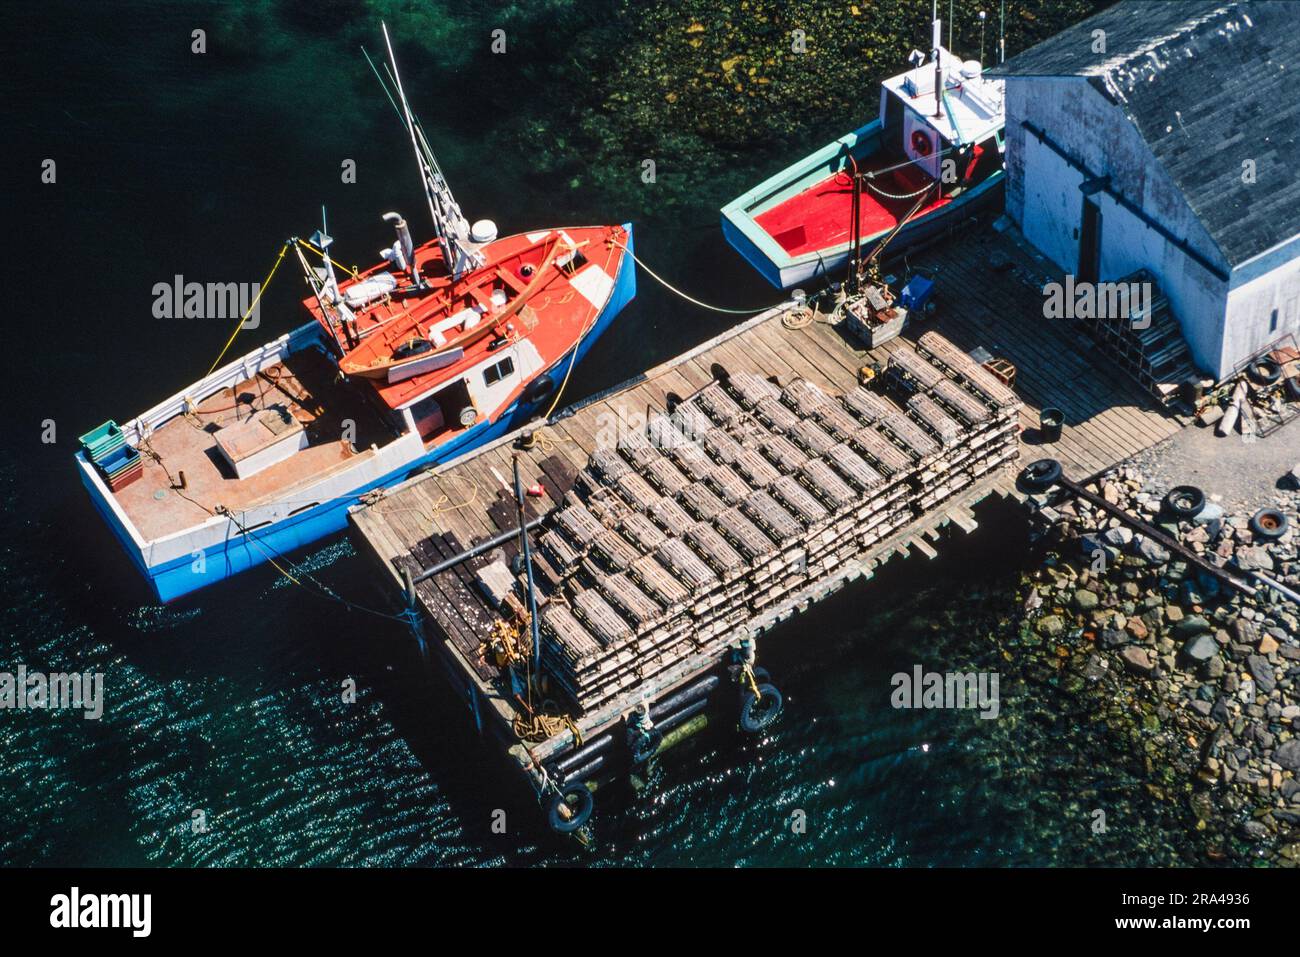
(1206, 84)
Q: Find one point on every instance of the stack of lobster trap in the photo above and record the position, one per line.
(675, 540)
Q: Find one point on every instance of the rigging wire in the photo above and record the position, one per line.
(249, 311)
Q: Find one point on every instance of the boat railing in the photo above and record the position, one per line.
(230, 374)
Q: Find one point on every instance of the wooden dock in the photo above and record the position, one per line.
(715, 495)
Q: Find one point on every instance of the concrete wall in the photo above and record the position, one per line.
(1043, 198)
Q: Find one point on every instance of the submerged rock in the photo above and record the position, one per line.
(1051, 626)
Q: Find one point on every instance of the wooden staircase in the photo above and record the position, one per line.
(1154, 353)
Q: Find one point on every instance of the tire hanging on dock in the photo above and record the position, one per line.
(758, 713)
(577, 798)
(539, 389)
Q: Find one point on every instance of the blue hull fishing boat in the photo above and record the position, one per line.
(441, 348)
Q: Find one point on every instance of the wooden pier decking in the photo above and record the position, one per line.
(656, 553)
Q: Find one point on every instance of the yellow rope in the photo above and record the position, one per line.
(442, 505)
(310, 248)
(573, 357)
(244, 318)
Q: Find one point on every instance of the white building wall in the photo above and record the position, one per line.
(1044, 199)
(1249, 328)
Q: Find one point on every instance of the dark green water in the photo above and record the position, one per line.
(230, 702)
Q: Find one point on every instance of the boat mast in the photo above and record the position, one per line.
(1002, 32)
(448, 221)
(333, 308)
(937, 38)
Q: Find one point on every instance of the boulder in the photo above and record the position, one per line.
(1150, 550)
(1085, 599)
(1191, 625)
(1254, 558)
(1211, 513)
(1050, 626)
(1119, 536)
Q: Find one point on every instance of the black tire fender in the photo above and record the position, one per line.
(577, 791)
(758, 715)
(539, 389)
(1041, 475)
(1184, 501)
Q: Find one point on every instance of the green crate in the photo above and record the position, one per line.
(103, 441)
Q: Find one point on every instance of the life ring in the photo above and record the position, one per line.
(579, 814)
(921, 143)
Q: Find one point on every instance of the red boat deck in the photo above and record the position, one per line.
(819, 217)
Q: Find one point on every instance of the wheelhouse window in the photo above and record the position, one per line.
(498, 371)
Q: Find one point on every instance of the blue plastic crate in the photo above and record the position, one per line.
(916, 293)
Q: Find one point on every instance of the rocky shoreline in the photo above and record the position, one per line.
(1213, 673)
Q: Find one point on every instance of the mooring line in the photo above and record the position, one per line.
(671, 288)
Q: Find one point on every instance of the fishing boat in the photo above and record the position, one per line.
(931, 159)
(432, 352)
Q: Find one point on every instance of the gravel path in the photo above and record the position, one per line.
(1236, 474)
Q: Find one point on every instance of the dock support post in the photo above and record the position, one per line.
(473, 704)
(412, 614)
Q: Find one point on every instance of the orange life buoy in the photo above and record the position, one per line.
(921, 143)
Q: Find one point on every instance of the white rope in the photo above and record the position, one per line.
(876, 189)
